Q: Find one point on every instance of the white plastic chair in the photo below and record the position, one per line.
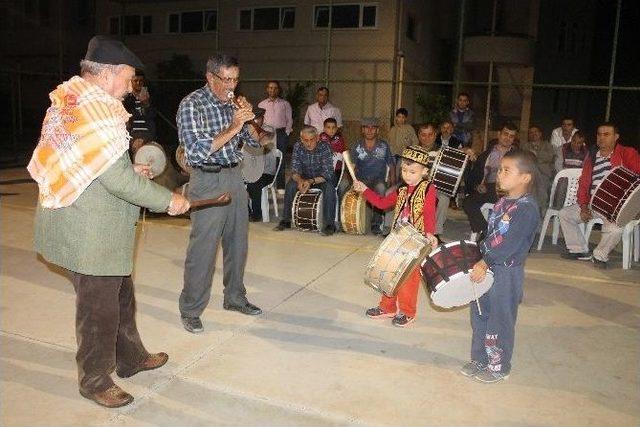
(630, 240)
(337, 157)
(570, 198)
(271, 188)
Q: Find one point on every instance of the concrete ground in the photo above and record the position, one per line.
(313, 358)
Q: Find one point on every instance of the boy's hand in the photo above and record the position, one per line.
(359, 186)
(479, 271)
(433, 240)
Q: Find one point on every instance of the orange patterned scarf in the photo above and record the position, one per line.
(84, 132)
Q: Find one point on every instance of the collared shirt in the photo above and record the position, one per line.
(371, 165)
(316, 116)
(201, 117)
(462, 124)
(557, 139)
(401, 137)
(277, 114)
(313, 163)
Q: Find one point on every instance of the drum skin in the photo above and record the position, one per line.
(151, 154)
(354, 215)
(617, 198)
(306, 210)
(400, 252)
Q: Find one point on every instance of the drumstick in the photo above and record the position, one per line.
(346, 157)
(222, 199)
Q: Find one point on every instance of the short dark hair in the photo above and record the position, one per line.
(447, 121)
(580, 134)
(330, 120)
(402, 111)
(276, 82)
(463, 94)
(568, 118)
(321, 88)
(609, 124)
(427, 126)
(526, 163)
(221, 60)
(509, 126)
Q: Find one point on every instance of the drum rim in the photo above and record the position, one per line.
(449, 245)
(618, 207)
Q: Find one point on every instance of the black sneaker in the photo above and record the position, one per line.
(377, 313)
(599, 264)
(472, 368)
(487, 376)
(282, 225)
(401, 320)
(582, 256)
(192, 324)
(328, 230)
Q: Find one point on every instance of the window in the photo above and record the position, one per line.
(130, 25)
(267, 18)
(346, 16)
(198, 21)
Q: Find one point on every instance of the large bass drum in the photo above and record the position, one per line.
(617, 198)
(445, 273)
(306, 210)
(398, 255)
(448, 170)
(354, 215)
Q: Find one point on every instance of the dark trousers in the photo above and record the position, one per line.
(106, 330)
(255, 194)
(472, 205)
(227, 225)
(494, 332)
(282, 143)
(328, 201)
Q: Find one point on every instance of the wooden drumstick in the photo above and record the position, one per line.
(346, 157)
(222, 199)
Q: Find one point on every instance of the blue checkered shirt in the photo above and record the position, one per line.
(314, 163)
(201, 117)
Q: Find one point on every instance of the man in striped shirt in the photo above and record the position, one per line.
(608, 155)
(211, 128)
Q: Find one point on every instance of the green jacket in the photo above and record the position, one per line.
(96, 234)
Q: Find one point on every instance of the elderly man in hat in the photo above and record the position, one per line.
(375, 167)
(89, 198)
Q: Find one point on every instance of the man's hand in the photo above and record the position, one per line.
(178, 205)
(481, 188)
(304, 185)
(143, 170)
(433, 240)
(585, 213)
(479, 271)
(472, 155)
(240, 117)
(359, 186)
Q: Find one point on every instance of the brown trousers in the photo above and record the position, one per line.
(106, 329)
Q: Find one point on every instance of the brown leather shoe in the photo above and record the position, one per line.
(113, 397)
(153, 361)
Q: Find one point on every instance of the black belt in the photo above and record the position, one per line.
(282, 129)
(215, 168)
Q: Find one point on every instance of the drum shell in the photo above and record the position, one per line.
(306, 210)
(398, 255)
(448, 170)
(354, 215)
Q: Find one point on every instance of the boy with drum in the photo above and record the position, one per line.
(415, 203)
(510, 233)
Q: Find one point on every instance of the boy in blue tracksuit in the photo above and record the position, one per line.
(510, 234)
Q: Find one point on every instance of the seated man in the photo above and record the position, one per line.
(259, 166)
(574, 152)
(545, 165)
(448, 139)
(481, 180)
(311, 167)
(597, 165)
(371, 157)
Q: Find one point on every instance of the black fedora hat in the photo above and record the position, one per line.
(105, 50)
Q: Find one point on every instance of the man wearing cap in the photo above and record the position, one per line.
(212, 128)
(374, 166)
(89, 198)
